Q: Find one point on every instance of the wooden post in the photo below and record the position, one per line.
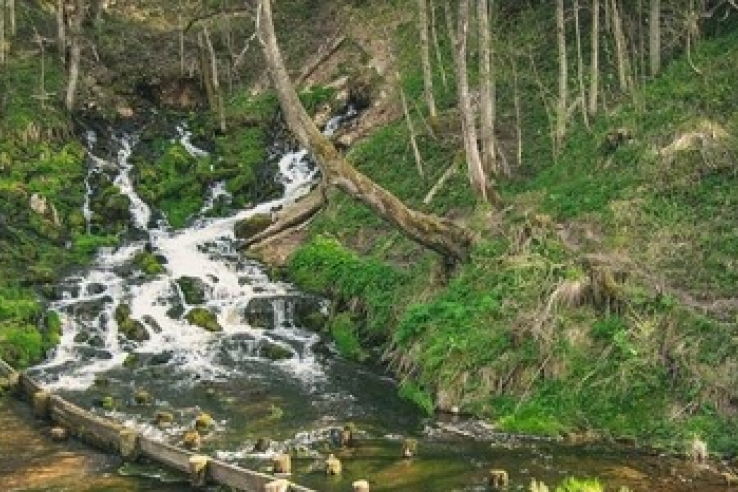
(360, 486)
(332, 465)
(409, 447)
(280, 485)
(128, 444)
(498, 479)
(59, 434)
(198, 470)
(282, 463)
(42, 405)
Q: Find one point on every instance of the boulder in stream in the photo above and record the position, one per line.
(275, 352)
(203, 318)
(193, 290)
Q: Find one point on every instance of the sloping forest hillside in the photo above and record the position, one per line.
(589, 147)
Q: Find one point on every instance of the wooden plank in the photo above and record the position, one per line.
(86, 426)
(28, 386)
(243, 479)
(5, 368)
(169, 455)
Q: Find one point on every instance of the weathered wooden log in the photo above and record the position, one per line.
(198, 470)
(59, 434)
(332, 465)
(282, 463)
(498, 479)
(203, 422)
(42, 405)
(128, 444)
(191, 440)
(360, 486)
(280, 485)
(409, 448)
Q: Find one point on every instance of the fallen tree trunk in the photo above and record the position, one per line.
(439, 234)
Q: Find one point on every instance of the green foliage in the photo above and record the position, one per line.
(203, 318)
(573, 484)
(325, 266)
(344, 333)
(148, 263)
(414, 393)
(21, 346)
(175, 182)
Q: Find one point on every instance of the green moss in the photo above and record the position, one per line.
(344, 333)
(148, 263)
(203, 318)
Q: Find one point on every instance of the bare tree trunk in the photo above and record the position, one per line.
(580, 66)
(594, 77)
(2, 32)
(217, 95)
(477, 176)
(425, 55)
(621, 49)
(61, 31)
(11, 17)
(562, 104)
(487, 91)
(445, 237)
(180, 39)
(518, 114)
(75, 51)
(437, 45)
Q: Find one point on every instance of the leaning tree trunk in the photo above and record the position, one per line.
(450, 240)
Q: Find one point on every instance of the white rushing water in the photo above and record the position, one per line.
(92, 341)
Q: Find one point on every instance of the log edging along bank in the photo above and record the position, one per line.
(130, 444)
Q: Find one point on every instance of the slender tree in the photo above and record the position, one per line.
(459, 38)
(580, 65)
(2, 32)
(12, 23)
(61, 30)
(75, 51)
(423, 26)
(594, 64)
(562, 104)
(445, 237)
(487, 91)
(621, 49)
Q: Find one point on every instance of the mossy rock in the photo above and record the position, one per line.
(274, 352)
(148, 263)
(203, 318)
(131, 328)
(251, 226)
(193, 289)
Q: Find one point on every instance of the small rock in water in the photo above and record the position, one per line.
(332, 465)
(203, 422)
(59, 434)
(143, 397)
(262, 445)
(192, 440)
(164, 419)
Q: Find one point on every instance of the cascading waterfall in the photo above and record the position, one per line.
(206, 252)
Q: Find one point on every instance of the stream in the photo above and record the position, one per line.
(270, 385)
